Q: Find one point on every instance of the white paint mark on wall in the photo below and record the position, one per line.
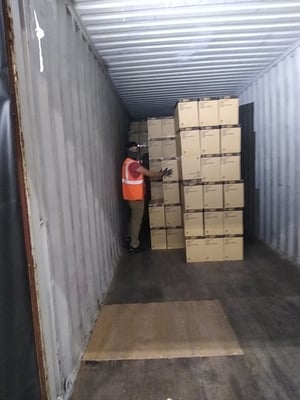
(40, 34)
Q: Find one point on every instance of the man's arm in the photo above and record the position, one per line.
(148, 172)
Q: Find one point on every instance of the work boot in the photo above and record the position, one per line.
(135, 250)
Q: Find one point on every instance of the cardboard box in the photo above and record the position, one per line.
(143, 125)
(155, 165)
(154, 128)
(143, 138)
(188, 143)
(231, 139)
(193, 223)
(231, 167)
(213, 195)
(195, 250)
(157, 215)
(229, 111)
(208, 112)
(233, 222)
(214, 249)
(190, 168)
(134, 137)
(156, 190)
(233, 248)
(155, 149)
(192, 196)
(158, 239)
(169, 149)
(211, 169)
(173, 216)
(171, 192)
(175, 238)
(134, 126)
(210, 141)
(168, 127)
(213, 223)
(186, 114)
(173, 165)
(233, 194)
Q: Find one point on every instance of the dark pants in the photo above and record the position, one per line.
(137, 212)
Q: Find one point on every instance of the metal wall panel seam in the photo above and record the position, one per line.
(292, 157)
(64, 49)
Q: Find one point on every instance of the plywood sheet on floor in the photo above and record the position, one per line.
(162, 330)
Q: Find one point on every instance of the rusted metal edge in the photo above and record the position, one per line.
(19, 153)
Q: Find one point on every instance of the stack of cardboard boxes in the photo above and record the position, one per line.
(200, 206)
(138, 132)
(165, 212)
(208, 139)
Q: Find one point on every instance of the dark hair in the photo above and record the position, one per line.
(131, 144)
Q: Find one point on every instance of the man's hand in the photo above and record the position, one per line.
(166, 172)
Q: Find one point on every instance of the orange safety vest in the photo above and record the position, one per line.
(133, 188)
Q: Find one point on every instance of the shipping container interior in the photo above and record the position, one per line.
(82, 71)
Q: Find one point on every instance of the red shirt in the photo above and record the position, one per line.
(133, 169)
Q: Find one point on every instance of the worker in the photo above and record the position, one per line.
(133, 189)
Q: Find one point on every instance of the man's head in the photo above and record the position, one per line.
(132, 150)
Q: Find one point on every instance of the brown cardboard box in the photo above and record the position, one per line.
(233, 194)
(168, 127)
(229, 111)
(213, 195)
(158, 239)
(171, 192)
(211, 169)
(155, 149)
(214, 249)
(213, 223)
(173, 165)
(134, 137)
(175, 238)
(173, 216)
(186, 114)
(195, 250)
(231, 139)
(208, 112)
(233, 222)
(155, 165)
(143, 138)
(156, 189)
(143, 125)
(169, 149)
(193, 223)
(192, 196)
(157, 215)
(233, 248)
(154, 128)
(190, 168)
(210, 141)
(231, 167)
(188, 142)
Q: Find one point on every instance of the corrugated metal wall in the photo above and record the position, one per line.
(276, 97)
(74, 128)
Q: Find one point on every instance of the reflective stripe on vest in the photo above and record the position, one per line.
(133, 189)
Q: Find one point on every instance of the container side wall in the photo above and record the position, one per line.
(276, 98)
(73, 126)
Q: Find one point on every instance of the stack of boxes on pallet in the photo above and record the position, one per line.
(208, 141)
(138, 132)
(165, 211)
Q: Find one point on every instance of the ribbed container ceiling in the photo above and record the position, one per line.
(157, 51)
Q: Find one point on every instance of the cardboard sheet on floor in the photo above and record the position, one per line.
(162, 330)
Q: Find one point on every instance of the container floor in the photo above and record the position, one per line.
(261, 299)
